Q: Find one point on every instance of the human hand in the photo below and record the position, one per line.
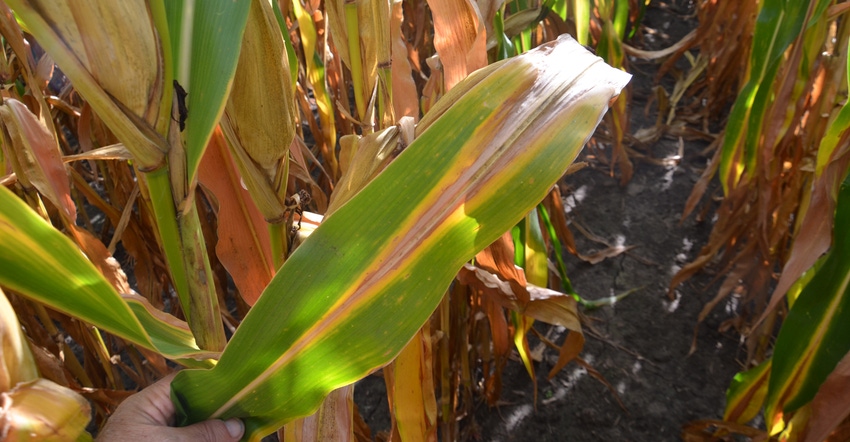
(149, 414)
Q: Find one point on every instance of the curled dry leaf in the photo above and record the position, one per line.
(35, 156)
(544, 304)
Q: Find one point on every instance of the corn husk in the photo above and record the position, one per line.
(42, 410)
(258, 121)
(111, 52)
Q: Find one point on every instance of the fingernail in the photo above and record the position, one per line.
(235, 427)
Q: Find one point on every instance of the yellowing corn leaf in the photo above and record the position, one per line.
(777, 26)
(39, 262)
(316, 75)
(812, 340)
(410, 380)
(352, 27)
(746, 394)
(367, 279)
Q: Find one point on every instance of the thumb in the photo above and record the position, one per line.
(214, 431)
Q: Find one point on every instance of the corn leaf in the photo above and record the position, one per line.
(778, 25)
(411, 383)
(459, 38)
(812, 339)
(831, 405)
(206, 38)
(815, 228)
(367, 279)
(333, 421)
(582, 9)
(38, 157)
(243, 245)
(746, 394)
(39, 262)
(316, 75)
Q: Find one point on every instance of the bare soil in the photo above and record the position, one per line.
(640, 344)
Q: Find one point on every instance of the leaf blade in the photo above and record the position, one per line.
(39, 262)
(446, 197)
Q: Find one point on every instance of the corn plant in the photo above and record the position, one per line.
(781, 161)
(184, 126)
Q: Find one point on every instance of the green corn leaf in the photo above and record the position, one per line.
(581, 10)
(778, 25)
(39, 262)
(836, 130)
(813, 338)
(350, 297)
(206, 38)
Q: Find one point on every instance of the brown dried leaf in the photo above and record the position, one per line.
(555, 206)
(498, 258)
(831, 404)
(544, 304)
(609, 252)
(814, 233)
(498, 326)
(36, 154)
(702, 184)
(243, 245)
(686, 41)
(333, 421)
(459, 38)
(572, 346)
(705, 430)
(102, 259)
(49, 366)
(405, 97)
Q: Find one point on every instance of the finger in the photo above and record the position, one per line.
(158, 396)
(150, 406)
(213, 431)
